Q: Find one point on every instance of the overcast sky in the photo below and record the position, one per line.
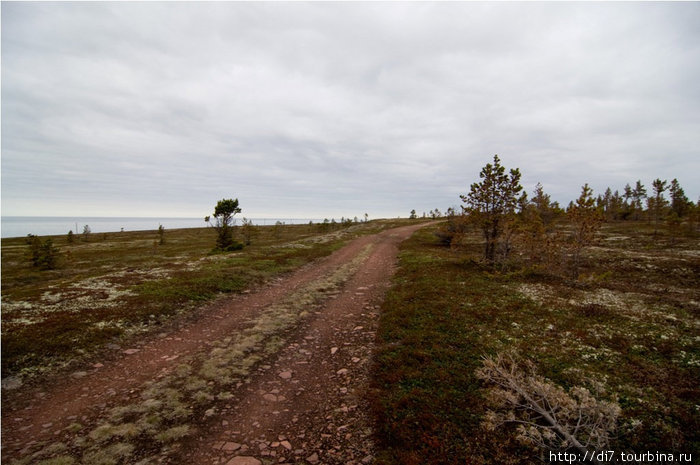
(336, 109)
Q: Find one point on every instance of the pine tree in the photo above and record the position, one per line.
(223, 212)
(679, 202)
(638, 194)
(491, 203)
(586, 219)
(657, 203)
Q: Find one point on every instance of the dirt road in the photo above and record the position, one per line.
(277, 375)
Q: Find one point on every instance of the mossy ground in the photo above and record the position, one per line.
(630, 323)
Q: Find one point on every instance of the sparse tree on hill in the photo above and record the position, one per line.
(638, 194)
(223, 212)
(657, 204)
(71, 237)
(413, 215)
(491, 203)
(43, 255)
(161, 234)
(586, 219)
(628, 204)
(679, 202)
(546, 209)
(86, 233)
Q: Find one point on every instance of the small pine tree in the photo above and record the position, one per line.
(161, 234)
(86, 233)
(43, 255)
(657, 204)
(491, 204)
(223, 212)
(587, 220)
(71, 237)
(679, 202)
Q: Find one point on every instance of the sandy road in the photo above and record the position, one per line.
(303, 403)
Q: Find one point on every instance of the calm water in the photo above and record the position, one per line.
(20, 226)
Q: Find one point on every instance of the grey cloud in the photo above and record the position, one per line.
(321, 109)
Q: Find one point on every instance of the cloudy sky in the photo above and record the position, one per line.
(336, 109)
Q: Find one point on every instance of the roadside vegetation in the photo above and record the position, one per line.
(106, 288)
(518, 328)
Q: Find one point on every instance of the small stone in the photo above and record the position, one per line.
(270, 397)
(97, 365)
(342, 371)
(230, 446)
(334, 350)
(79, 374)
(131, 351)
(286, 444)
(313, 458)
(285, 375)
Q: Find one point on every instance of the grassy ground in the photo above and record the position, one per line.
(118, 285)
(630, 325)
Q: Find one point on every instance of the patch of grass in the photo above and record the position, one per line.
(445, 312)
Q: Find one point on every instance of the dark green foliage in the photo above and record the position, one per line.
(161, 234)
(679, 202)
(70, 237)
(223, 212)
(657, 204)
(43, 255)
(491, 203)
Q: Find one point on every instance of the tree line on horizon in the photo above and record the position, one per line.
(550, 235)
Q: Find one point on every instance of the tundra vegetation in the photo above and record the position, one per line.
(63, 301)
(518, 327)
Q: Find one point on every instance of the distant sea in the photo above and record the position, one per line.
(20, 226)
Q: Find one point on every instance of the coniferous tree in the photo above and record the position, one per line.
(638, 194)
(628, 205)
(223, 212)
(546, 209)
(657, 203)
(587, 220)
(679, 202)
(492, 202)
